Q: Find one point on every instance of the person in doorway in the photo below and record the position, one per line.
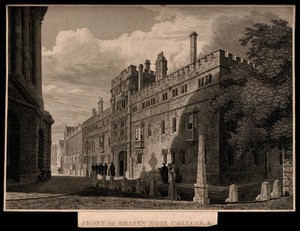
(112, 169)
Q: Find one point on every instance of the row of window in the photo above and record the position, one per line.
(121, 124)
(95, 126)
(148, 103)
(201, 82)
(92, 146)
(207, 79)
(139, 130)
(121, 104)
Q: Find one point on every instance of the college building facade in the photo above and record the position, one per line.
(156, 117)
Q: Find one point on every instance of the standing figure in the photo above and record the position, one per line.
(164, 173)
(93, 170)
(96, 169)
(105, 169)
(171, 172)
(112, 169)
(100, 169)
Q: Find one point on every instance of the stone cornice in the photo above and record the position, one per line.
(38, 12)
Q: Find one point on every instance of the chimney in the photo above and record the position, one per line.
(161, 66)
(140, 78)
(94, 112)
(193, 47)
(147, 65)
(100, 105)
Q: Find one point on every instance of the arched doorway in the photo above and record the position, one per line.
(41, 150)
(13, 148)
(122, 163)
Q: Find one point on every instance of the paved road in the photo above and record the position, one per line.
(56, 195)
(58, 185)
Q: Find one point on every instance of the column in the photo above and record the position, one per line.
(16, 47)
(201, 190)
(37, 15)
(26, 39)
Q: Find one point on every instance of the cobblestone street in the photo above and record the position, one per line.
(73, 193)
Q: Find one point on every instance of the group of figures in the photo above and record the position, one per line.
(103, 170)
(167, 173)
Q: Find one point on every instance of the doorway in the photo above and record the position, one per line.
(122, 163)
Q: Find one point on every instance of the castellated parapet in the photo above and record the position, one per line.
(126, 73)
(204, 64)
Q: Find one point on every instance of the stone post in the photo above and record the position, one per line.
(201, 190)
(138, 185)
(265, 193)
(152, 191)
(172, 190)
(124, 184)
(233, 194)
(37, 15)
(103, 184)
(277, 189)
(112, 184)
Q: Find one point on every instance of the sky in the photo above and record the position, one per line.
(85, 47)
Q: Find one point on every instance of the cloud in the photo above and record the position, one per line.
(80, 66)
(228, 29)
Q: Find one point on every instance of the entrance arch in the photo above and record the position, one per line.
(13, 148)
(41, 150)
(122, 163)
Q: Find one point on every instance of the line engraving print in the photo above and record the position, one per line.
(150, 108)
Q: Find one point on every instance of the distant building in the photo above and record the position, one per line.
(156, 118)
(60, 155)
(54, 159)
(96, 138)
(73, 150)
(29, 124)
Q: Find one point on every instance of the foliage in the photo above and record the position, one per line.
(258, 101)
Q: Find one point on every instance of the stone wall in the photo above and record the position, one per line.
(288, 174)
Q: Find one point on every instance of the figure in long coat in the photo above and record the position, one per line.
(112, 169)
(164, 173)
(105, 169)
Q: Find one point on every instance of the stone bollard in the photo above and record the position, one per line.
(172, 191)
(233, 194)
(138, 185)
(277, 189)
(152, 191)
(124, 184)
(112, 184)
(265, 192)
(103, 183)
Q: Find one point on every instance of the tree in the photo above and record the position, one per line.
(258, 101)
